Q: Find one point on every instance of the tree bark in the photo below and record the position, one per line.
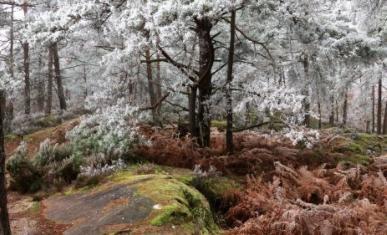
(158, 83)
(206, 61)
(12, 43)
(229, 110)
(319, 114)
(345, 108)
(385, 120)
(192, 111)
(332, 115)
(305, 92)
(379, 116)
(41, 88)
(48, 107)
(85, 92)
(58, 78)
(4, 217)
(26, 63)
(27, 82)
(373, 109)
(151, 89)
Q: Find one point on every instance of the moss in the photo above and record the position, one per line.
(214, 188)
(181, 205)
(48, 121)
(350, 147)
(171, 214)
(356, 159)
(35, 208)
(11, 137)
(220, 124)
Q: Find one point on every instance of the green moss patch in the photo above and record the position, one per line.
(359, 148)
(177, 203)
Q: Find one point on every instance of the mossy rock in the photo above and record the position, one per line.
(176, 208)
(178, 205)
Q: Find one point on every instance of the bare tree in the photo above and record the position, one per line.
(229, 109)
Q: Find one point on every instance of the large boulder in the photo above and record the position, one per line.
(133, 204)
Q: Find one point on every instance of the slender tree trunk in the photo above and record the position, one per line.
(373, 109)
(48, 107)
(206, 61)
(192, 111)
(4, 218)
(12, 43)
(41, 88)
(151, 90)
(58, 78)
(158, 74)
(158, 83)
(85, 81)
(332, 115)
(319, 114)
(306, 92)
(229, 110)
(385, 120)
(379, 117)
(337, 111)
(27, 82)
(345, 108)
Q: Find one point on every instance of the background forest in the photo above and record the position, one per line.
(288, 92)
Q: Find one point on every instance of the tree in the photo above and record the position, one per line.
(26, 64)
(58, 77)
(4, 218)
(229, 131)
(379, 113)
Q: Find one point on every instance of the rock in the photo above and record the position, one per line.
(133, 204)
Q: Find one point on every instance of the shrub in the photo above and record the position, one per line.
(24, 176)
(110, 132)
(58, 162)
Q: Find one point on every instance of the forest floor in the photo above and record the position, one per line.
(337, 187)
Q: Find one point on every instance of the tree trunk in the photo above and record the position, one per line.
(373, 109)
(4, 218)
(151, 90)
(305, 92)
(41, 88)
(58, 78)
(192, 111)
(332, 116)
(379, 120)
(206, 61)
(85, 93)
(229, 110)
(158, 83)
(385, 120)
(12, 43)
(27, 82)
(49, 84)
(337, 111)
(345, 108)
(319, 114)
